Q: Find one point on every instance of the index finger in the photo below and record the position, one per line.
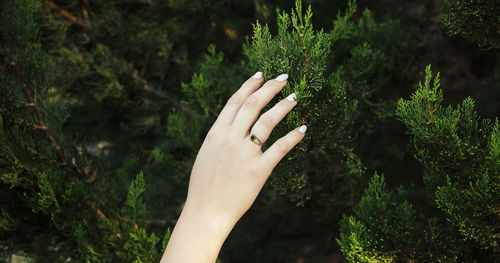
(234, 103)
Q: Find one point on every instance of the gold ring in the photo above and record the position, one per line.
(254, 139)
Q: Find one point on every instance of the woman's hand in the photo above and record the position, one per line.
(230, 169)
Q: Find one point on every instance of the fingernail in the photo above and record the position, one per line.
(257, 75)
(303, 129)
(282, 77)
(292, 97)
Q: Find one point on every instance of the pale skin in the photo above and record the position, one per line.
(230, 170)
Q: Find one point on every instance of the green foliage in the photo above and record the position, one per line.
(39, 186)
(372, 60)
(456, 145)
(448, 142)
(200, 93)
(141, 248)
(46, 198)
(444, 243)
(356, 243)
(386, 227)
(476, 20)
(303, 53)
(473, 209)
(343, 27)
(134, 208)
(28, 165)
(459, 152)
(7, 223)
(114, 81)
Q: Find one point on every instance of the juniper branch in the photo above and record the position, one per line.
(42, 125)
(84, 24)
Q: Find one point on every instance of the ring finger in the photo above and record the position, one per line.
(267, 121)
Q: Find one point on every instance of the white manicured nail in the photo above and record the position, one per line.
(257, 75)
(292, 97)
(282, 77)
(303, 129)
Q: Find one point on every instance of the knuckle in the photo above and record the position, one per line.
(282, 146)
(267, 121)
(251, 102)
(254, 172)
(235, 99)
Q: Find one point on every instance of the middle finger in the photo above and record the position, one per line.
(252, 106)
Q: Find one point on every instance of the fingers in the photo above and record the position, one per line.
(252, 106)
(267, 121)
(271, 157)
(234, 103)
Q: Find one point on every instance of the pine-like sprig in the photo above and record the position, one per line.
(303, 52)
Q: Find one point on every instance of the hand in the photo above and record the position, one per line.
(231, 169)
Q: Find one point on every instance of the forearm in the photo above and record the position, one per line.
(230, 170)
(197, 238)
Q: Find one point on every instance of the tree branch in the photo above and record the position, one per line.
(85, 24)
(42, 124)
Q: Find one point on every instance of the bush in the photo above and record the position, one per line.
(104, 105)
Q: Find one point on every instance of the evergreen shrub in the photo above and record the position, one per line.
(104, 105)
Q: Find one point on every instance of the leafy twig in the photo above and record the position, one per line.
(85, 24)
(42, 123)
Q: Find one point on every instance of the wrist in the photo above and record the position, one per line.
(215, 224)
(198, 234)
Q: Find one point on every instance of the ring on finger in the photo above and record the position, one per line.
(255, 139)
